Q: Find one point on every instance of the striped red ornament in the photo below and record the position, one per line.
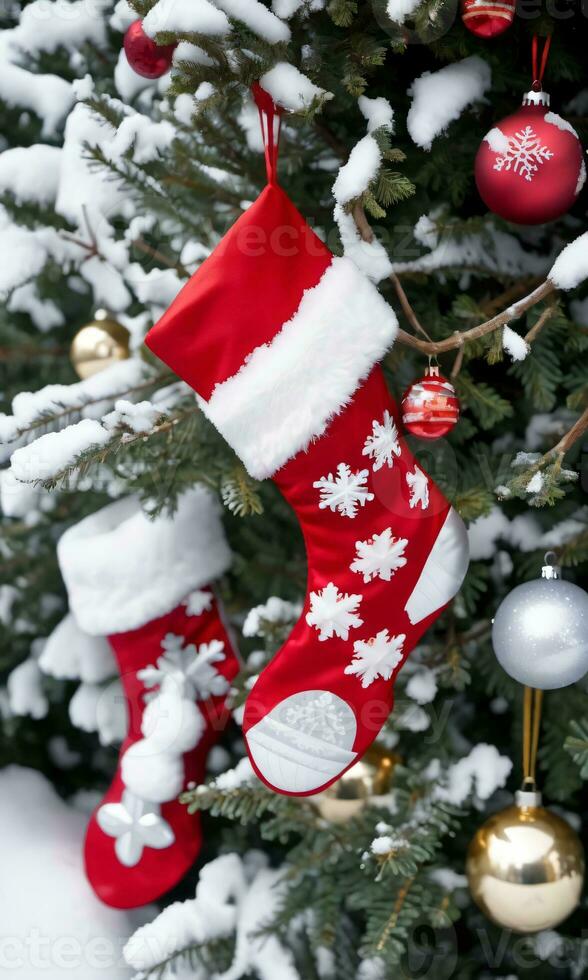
(430, 407)
(486, 19)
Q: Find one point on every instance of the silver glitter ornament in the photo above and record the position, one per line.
(540, 633)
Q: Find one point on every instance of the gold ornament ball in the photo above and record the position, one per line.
(525, 867)
(351, 793)
(98, 345)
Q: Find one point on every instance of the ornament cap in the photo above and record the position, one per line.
(550, 570)
(537, 97)
(526, 798)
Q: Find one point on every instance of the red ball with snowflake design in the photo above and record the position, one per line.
(146, 58)
(530, 167)
(430, 407)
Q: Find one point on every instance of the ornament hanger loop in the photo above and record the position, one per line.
(532, 704)
(539, 69)
(270, 116)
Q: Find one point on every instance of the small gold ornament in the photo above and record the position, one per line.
(98, 345)
(351, 793)
(525, 866)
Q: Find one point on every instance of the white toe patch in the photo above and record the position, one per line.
(444, 570)
(304, 742)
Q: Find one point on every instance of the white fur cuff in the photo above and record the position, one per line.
(287, 391)
(123, 570)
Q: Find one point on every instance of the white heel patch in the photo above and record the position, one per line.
(444, 570)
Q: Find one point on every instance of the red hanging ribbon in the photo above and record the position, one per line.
(270, 116)
(539, 70)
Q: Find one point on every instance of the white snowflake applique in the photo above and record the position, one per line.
(198, 602)
(383, 445)
(377, 657)
(525, 154)
(186, 669)
(379, 556)
(319, 717)
(135, 824)
(333, 613)
(344, 492)
(418, 486)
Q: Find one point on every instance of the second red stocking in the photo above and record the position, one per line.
(146, 586)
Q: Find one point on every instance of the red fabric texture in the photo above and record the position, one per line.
(157, 870)
(242, 295)
(304, 662)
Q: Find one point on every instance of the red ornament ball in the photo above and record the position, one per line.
(146, 58)
(486, 19)
(530, 168)
(430, 407)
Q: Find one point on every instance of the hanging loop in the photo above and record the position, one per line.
(539, 67)
(270, 116)
(533, 702)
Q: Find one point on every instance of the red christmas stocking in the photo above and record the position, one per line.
(281, 341)
(145, 584)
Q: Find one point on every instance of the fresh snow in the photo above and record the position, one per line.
(48, 96)
(422, 686)
(361, 169)
(571, 267)
(378, 112)
(440, 97)
(146, 138)
(481, 772)
(258, 19)
(275, 611)
(194, 17)
(139, 417)
(289, 88)
(52, 453)
(95, 708)
(44, 26)
(401, 10)
(91, 396)
(370, 258)
(41, 844)
(71, 654)
(31, 173)
(235, 896)
(25, 690)
(514, 344)
(333, 613)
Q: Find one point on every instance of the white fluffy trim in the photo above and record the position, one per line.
(287, 391)
(123, 570)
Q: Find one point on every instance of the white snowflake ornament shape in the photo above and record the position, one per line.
(377, 657)
(319, 717)
(383, 445)
(186, 669)
(344, 492)
(380, 556)
(418, 486)
(333, 613)
(198, 602)
(525, 154)
(136, 824)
